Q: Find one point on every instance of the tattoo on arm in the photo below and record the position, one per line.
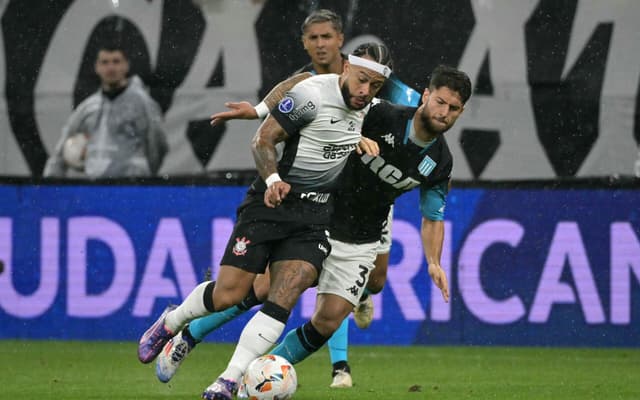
(263, 146)
(277, 93)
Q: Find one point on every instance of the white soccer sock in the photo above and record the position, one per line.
(191, 308)
(258, 336)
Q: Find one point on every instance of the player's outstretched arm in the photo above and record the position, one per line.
(244, 109)
(432, 235)
(236, 110)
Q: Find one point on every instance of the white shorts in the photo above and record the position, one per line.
(384, 245)
(345, 272)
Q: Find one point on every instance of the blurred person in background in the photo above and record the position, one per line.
(116, 132)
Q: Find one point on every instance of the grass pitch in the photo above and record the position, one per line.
(107, 370)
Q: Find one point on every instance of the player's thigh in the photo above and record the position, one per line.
(346, 271)
(249, 245)
(295, 262)
(246, 254)
(308, 243)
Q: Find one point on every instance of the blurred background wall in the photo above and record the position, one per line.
(556, 82)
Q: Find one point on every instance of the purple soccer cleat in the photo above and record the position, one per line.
(172, 355)
(154, 339)
(221, 389)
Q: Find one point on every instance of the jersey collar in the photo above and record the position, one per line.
(410, 134)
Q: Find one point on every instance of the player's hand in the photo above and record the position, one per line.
(440, 279)
(276, 193)
(239, 110)
(368, 146)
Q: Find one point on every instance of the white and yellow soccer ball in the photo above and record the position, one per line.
(269, 377)
(74, 150)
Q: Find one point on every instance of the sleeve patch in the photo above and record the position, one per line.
(426, 166)
(286, 105)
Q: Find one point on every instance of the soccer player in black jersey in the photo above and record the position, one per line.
(283, 223)
(413, 153)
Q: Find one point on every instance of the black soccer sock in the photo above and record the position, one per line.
(275, 311)
(340, 366)
(250, 301)
(300, 343)
(310, 338)
(186, 335)
(207, 297)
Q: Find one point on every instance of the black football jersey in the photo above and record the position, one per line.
(370, 185)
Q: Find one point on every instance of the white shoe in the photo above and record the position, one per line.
(171, 356)
(342, 379)
(363, 313)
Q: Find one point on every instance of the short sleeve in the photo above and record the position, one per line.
(433, 201)
(298, 108)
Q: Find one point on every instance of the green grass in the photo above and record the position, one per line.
(106, 370)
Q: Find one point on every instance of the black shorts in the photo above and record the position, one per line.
(275, 236)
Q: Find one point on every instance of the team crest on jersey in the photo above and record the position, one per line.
(426, 166)
(240, 248)
(286, 105)
(390, 139)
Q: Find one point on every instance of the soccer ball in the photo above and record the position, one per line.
(74, 150)
(269, 377)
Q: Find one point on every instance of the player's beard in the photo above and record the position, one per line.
(346, 96)
(427, 122)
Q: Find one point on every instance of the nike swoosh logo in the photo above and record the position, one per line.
(333, 121)
(265, 339)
